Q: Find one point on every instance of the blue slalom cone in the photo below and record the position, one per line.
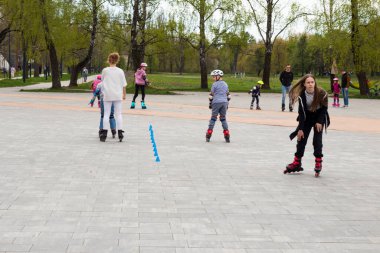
(158, 159)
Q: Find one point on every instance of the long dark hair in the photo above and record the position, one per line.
(299, 88)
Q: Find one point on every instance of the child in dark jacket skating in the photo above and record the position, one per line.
(312, 114)
(255, 91)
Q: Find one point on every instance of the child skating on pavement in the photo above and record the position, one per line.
(141, 81)
(98, 94)
(114, 92)
(336, 90)
(255, 91)
(312, 114)
(219, 98)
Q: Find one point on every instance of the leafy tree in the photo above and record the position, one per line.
(205, 11)
(91, 31)
(7, 16)
(270, 27)
(236, 42)
(363, 42)
(45, 7)
(280, 55)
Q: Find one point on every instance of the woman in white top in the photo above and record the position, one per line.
(114, 84)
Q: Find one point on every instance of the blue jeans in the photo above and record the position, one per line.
(112, 118)
(285, 90)
(345, 96)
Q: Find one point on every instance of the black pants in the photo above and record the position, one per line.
(137, 87)
(317, 140)
(253, 100)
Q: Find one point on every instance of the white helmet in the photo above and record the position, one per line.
(143, 64)
(217, 72)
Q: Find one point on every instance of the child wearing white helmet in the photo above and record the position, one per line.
(255, 91)
(219, 98)
(140, 82)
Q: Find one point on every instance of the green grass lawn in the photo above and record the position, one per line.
(28, 81)
(167, 83)
(191, 82)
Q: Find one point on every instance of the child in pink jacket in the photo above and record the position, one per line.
(336, 90)
(140, 82)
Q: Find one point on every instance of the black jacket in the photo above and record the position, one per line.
(320, 116)
(255, 91)
(286, 78)
(345, 78)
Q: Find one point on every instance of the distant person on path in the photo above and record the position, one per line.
(312, 114)
(141, 81)
(219, 98)
(286, 78)
(114, 91)
(345, 84)
(13, 72)
(84, 74)
(336, 91)
(255, 91)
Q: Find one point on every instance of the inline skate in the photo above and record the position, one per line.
(295, 166)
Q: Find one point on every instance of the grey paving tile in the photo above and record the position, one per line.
(64, 191)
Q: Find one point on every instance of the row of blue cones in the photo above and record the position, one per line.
(155, 153)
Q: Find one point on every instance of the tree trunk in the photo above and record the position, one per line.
(24, 60)
(362, 78)
(4, 32)
(268, 46)
(78, 68)
(355, 48)
(203, 66)
(236, 56)
(202, 46)
(267, 65)
(36, 67)
(181, 58)
(74, 75)
(56, 83)
(138, 25)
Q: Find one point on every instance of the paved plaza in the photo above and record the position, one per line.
(63, 191)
